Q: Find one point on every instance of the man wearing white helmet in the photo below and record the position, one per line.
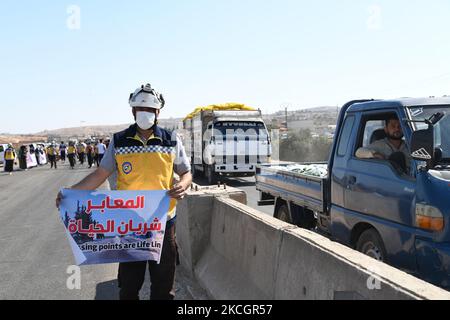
(145, 157)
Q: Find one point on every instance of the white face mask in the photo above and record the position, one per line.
(145, 120)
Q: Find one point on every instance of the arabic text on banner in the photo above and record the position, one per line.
(115, 226)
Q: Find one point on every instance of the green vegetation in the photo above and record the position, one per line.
(300, 146)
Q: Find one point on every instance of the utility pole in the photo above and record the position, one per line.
(286, 116)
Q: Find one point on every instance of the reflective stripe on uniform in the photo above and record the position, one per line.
(142, 149)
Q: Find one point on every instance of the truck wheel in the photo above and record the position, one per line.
(370, 244)
(283, 213)
(194, 172)
(211, 176)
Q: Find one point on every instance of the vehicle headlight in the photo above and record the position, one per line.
(429, 217)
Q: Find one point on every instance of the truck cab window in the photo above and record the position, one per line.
(441, 129)
(383, 140)
(345, 136)
(373, 131)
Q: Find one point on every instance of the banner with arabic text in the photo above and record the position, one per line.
(115, 226)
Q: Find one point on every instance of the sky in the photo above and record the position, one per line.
(72, 63)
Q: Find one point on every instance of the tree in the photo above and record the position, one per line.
(300, 146)
(86, 220)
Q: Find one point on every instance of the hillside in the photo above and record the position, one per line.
(84, 131)
(101, 131)
(22, 139)
(316, 119)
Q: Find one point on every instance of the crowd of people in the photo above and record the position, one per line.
(88, 151)
(28, 156)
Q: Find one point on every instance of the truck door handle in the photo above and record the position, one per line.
(351, 180)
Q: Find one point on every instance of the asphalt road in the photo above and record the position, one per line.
(35, 253)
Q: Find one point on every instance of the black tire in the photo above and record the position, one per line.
(282, 213)
(265, 196)
(211, 175)
(371, 244)
(194, 171)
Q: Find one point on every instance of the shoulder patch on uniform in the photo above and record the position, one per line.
(127, 167)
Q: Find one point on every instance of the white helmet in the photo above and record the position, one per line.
(146, 97)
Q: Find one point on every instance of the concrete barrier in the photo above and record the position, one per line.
(194, 215)
(241, 259)
(236, 252)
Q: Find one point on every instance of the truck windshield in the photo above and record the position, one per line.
(248, 128)
(441, 129)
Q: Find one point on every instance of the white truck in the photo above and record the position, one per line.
(226, 140)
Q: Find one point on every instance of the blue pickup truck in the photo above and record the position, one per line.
(369, 204)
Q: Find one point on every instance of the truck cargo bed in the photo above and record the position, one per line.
(301, 189)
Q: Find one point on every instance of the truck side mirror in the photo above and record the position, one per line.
(422, 145)
(438, 154)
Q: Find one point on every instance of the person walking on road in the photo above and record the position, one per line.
(52, 152)
(90, 154)
(153, 155)
(33, 151)
(101, 149)
(71, 154)
(42, 155)
(37, 153)
(95, 153)
(10, 157)
(23, 152)
(62, 151)
(81, 152)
